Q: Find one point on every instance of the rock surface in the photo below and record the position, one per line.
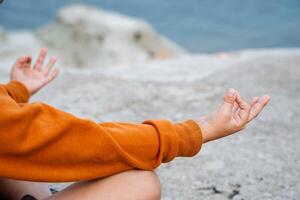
(261, 163)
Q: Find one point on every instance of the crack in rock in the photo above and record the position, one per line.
(229, 195)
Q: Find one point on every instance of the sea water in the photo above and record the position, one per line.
(197, 25)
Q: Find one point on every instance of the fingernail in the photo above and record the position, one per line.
(44, 49)
(231, 92)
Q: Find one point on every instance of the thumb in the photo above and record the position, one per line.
(228, 101)
(22, 60)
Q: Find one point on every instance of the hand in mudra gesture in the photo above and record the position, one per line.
(36, 76)
(233, 115)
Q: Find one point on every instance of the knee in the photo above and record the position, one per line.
(147, 184)
(133, 184)
(151, 184)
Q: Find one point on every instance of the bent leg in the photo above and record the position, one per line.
(129, 185)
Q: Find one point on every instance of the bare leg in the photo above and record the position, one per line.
(133, 184)
(130, 185)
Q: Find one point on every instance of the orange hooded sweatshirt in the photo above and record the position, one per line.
(41, 143)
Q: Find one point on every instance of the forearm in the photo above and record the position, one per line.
(51, 145)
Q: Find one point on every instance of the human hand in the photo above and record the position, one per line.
(37, 76)
(233, 115)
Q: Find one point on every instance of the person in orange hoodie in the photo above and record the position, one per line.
(111, 160)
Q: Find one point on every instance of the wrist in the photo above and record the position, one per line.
(26, 89)
(23, 83)
(207, 129)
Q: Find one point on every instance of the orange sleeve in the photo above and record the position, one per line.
(41, 143)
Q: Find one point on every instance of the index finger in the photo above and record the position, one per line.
(258, 106)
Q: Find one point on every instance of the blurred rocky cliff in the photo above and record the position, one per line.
(85, 36)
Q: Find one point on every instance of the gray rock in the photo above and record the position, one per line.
(89, 37)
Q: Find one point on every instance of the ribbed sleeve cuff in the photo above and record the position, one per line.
(18, 91)
(180, 139)
(190, 136)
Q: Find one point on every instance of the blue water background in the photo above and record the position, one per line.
(197, 25)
